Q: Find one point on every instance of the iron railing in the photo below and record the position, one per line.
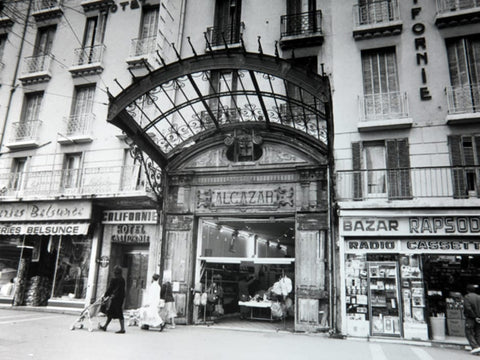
(408, 183)
(375, 13)
(383, 106)
(447, 6)
(463, 99)
(38, 63)
(80, 125)
(89, 55)
(25, 130)
(229, 34)
(307, 23)
(143, 46)
(97, 181)
(43, 5)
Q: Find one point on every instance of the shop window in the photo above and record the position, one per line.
(381, 169)
(465, 152)
(10, 250)
(464, 68)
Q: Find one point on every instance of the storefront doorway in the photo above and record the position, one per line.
(241, 263)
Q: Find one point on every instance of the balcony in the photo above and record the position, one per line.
(24, 134)
(5, 21)
(47, 9)
(78, 129)
(376, 19)
(301, 30)
(384, 111)
(95, 182)
(142, 49)
(427, 183)
(218, 36)
(88, 60)
(37, 69)
(457, 12)
(463, 104)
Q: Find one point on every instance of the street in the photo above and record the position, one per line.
(41, 335)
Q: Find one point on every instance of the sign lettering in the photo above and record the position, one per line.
(45, 211)
(130, 217)
(420, 43)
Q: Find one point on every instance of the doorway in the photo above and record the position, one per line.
(137, 266)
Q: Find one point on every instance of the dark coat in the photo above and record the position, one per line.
(116, 289)
(166, 292)
(471, 305)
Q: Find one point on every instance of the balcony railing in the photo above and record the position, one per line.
(307, 23)
(143, 46)
(463, 99)
(46, 5)
(80, 125)
(37, 64)
(447, 6)
(25, 131)
(106, 181)
(404, 184)
(89, 55)
(230, 34)
(376, 13)
(383, 106)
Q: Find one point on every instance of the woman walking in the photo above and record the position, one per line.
(116, 290)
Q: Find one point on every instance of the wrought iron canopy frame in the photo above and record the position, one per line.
(168, 109)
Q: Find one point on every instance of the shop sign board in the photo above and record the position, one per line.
(44, 229)
(130, 217)
(411, 226)
(275, 196)
(412, 246)
(79, 210)
(130, 233)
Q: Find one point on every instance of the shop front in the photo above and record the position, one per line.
(46, 253)
(405, 275)
(131, 240)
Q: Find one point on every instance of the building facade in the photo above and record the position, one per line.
(335, 144)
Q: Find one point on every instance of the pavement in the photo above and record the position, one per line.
(43, 335)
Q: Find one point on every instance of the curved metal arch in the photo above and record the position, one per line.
(166, 109)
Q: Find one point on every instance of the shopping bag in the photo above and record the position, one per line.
(106, 305)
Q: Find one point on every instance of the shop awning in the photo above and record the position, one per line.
(44, 229)
(235, 260)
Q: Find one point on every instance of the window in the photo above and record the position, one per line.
(93, 39)
(146, 43)
(380, 84)
(375, 11)
(72, 171)
(133, 175)
(296, 23)
(31, 107)
(464, 66)
(465, 157)
(44, 42)
(82, 110)
(3, 41)
(227, 22)
(18, 173)
(381, 169)
(224, 82)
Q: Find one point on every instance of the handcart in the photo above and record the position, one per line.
(88, 313)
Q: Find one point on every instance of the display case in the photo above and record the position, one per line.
(383, 299)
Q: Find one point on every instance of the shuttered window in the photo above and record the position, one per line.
(465, 158)
(464, 67)
(381, 169)
(227, 21)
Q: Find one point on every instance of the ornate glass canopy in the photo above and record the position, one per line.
(170, 108)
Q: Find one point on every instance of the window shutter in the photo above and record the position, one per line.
(398, 169)
(458, 173)
(357, 173)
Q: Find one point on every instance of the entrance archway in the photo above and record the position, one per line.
(221, 127)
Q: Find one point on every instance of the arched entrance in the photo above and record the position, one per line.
(242, 142)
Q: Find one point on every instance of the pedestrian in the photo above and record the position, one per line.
(150, 311)
(471, 310)
(244, 294)
(116, 290)
(169, 311)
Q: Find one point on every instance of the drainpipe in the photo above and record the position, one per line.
(13, 87)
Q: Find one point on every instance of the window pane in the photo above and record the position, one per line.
(375, 164)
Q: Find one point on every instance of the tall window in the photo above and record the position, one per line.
(375, 11)
(465, 157)
(381, 168)
(72, 171)
(133, 175)
(296, 22)
(380, 83)
(18, 173)
(93, 39)
(82, 110)
(43, 44)
(146, 43)
(464, 66)
(31, 108)
(227, 22)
